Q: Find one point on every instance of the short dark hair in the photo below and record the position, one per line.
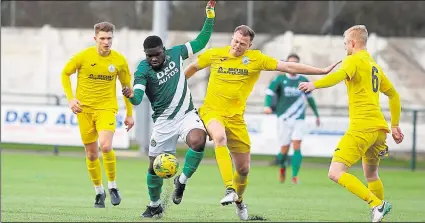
(104, 27)
(245, 31)
(152, 42)
(293, 55)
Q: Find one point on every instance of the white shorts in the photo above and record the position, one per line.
(165, 132)
(290, 130)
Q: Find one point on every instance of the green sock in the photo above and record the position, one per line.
(282, 159)
(296, 162)
(154, 186)
(191, 162)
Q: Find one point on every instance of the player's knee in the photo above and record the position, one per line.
(371, 175)
(92, 156)
(243, 170)
(105, 145)
(220, 139)
(334, 174)
(197, 140)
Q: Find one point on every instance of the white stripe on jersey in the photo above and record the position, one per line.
(177, 94)
(139, 86)
(189, 49)
(269, 92)
(293, 108)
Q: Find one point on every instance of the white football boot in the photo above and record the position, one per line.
(242, 210)
(230, 196)
(380, 211)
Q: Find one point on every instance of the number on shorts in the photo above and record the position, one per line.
(375, 80)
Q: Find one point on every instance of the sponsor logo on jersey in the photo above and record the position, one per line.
(101, 77)
(168, 72)
(232, 71)
(292, 92)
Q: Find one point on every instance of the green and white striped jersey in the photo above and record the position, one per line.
(290, 100)
(167, 88)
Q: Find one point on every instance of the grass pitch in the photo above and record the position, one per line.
(57, 188)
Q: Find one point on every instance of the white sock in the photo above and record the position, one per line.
(183, 179)
(112, 184)
(155, 203)
(99, 189)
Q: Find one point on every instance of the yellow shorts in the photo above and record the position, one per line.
(91, 123)
(369, 146)
(236, 130)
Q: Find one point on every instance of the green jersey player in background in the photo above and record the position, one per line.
(290, 110)
(161, 76)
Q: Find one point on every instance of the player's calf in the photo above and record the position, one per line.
(196, 141)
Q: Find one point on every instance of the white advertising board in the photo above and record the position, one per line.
(319, 141)
(50, 125)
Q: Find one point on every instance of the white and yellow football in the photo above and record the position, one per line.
(165, 165)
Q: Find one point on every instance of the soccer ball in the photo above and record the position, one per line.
(165, 165)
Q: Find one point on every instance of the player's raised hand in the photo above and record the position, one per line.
(129, 122)
(209, 10)
(306, 87)
(268, 110)
(398, 136)
(328, 69)
(75, 106)
(128, 92)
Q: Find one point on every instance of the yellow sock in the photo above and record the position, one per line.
(109, 163)
(377, 188)
(240, 183)
(224, 162)
(95, 171)
(355, 186)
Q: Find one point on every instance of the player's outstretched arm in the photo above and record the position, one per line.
(328, 81)
(190, 70)
(203, 37)
(299, 68)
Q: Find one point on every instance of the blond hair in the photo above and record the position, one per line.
(245, 31)
(104, 27)
(358, 32)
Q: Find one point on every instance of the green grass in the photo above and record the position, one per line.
(57, 188)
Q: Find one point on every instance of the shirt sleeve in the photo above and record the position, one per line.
(140, 82)
(204, 59)
(266, 62)
(200, 42)
(124, 74)
(349, 66)
(71, 67)
(271, 91)
(385, 83)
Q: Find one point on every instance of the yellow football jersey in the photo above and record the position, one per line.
(232, 78)
(365, 80)
(97, 75)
